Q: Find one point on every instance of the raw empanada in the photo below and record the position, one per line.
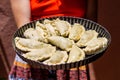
(31, 33)
(86, 37)
(76, 31)
(40, 25)
(47, 21)
(59, 57)
(42, 32)
(29, 44)
(61, 42)
(95, 45)
(63, 27)
(40, 54)
(76, 54)
(50, 29)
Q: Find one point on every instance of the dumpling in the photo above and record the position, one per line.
(86, 37)
(76, 32)
(50, 29)
(59, 57)
(29, 44)
(47, 21)
(40, 25)
(29, 33)
(43, 32)
(95, 45)
(63, 27)
(40, 54)
(61, 42)
(32, 33)
(76, 54)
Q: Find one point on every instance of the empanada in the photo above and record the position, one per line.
(29, 44)
(38, 34)
(63, 27)
(76, 54)
(40, 54)
(61, 42)
(95, 45)
(40, 25)
(47, 21)
(59, 57)
(51, 30)
(86, 37)
(76, 31)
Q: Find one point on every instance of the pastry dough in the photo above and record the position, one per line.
(40, 25)
(31, 33)
(40, 54)
(76, 54)
(29, 44)
(59, 57)
(51, 29)
(86, 37)
(61, 42)
(95, 45)
(46, 29)
(76, 32)
(63, 27)
(47, 21)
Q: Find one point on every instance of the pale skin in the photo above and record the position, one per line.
(21, 11)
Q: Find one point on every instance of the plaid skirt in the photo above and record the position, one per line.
(23, 71)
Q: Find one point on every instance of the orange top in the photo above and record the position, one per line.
(43, 8)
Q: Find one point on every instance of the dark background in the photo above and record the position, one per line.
(106, 68)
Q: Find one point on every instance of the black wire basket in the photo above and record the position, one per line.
(88, 24)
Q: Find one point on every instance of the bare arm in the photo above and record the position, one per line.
(21, 11)
(92, 10)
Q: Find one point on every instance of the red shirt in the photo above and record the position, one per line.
(43, 8)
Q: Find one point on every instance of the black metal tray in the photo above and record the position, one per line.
(88, 24)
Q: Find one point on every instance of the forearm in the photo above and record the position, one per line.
(91, 10)
(21, 11)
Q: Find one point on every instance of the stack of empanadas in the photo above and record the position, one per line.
(57, 42)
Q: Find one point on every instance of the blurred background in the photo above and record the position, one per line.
(105, 68)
